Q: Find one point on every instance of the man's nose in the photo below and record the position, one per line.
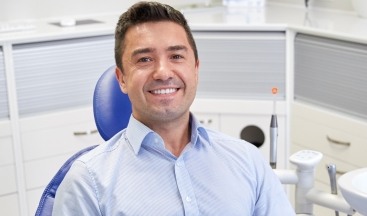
(163, 70)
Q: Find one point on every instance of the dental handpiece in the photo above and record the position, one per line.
(273, 141)
(273, 133)
(331, 168)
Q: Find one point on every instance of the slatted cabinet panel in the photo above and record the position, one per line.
(241, 65)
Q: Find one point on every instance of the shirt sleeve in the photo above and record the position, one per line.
(76, 194)
(271, 196)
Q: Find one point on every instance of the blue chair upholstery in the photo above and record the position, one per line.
(112, 110)
(47, 199)
(111, 107)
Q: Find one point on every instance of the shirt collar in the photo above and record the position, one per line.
(198, 131)
(137, 133)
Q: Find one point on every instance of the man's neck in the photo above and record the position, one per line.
(176, 135)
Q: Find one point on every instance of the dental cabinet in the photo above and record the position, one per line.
(330, 106)
(54, 81)
(47, 78)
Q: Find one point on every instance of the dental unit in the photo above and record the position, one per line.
(303, 177)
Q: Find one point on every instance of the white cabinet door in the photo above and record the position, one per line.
(57, 75)
(241, 65)
(332, 74)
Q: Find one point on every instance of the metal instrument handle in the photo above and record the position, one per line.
(331, 168)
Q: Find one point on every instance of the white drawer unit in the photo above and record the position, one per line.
(58, 133)
(48, 140)
(337, 136)
(341, 139)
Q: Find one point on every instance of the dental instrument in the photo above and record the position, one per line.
(273, 132)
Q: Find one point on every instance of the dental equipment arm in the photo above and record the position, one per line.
(303, 178)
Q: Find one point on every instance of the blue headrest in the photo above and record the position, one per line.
(111, 107)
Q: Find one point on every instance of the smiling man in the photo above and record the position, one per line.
(165, 162)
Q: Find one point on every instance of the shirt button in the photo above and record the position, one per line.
(188, 199)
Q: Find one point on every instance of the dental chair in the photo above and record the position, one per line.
(112, 110)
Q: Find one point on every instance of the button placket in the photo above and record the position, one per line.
(185, 188)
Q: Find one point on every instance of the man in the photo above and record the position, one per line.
(165, 162)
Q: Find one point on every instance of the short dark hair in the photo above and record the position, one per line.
(142, 12)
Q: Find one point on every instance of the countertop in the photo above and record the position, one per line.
(272, 17)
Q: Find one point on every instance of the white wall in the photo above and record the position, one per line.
(329, 4)
(11, 10)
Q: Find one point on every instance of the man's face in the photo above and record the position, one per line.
(160, 73)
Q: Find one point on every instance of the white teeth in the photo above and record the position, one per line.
(164, 91)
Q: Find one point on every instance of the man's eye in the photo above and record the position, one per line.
(177, 57)
(145, 59)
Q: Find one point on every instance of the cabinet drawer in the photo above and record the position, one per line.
(38, 173)
(54, 134)
(8, 180)
(336, 136)
(34, 197)
(6, 144)
(9, 205)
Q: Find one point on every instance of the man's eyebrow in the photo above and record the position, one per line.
(140, 51)
(149, 50)
(177, 47)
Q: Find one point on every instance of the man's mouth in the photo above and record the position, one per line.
(164, 91)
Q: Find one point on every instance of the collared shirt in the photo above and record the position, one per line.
(134, 174)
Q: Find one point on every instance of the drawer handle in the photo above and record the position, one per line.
(337, 142)
(83, 133)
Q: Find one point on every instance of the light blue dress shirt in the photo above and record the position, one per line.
(133, 174)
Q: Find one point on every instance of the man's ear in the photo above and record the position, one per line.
(197, 64)
(121, 79)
